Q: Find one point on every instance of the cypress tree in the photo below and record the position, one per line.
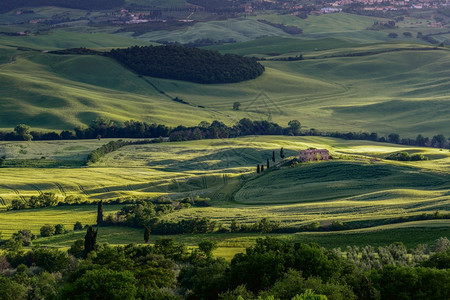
(262, 168)
(90, 240)
(268, 165)
(282, 153)
(100, 213)
(258, 170)
(147, 234)
(273, 156)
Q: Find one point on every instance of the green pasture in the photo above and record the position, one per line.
(63, 39)
(214, 167)
(240, 29)
(34, 219)
(327, 23)
(62, 92)
(380, 92)
(358, 185)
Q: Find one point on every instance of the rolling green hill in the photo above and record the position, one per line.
(225, 170)
(375, 92)
(357, 186)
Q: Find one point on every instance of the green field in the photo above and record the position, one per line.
(389, 88)
(340, 93)
(357, 186)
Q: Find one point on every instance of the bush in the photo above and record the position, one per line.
(60, 229)
(400, 156)
(78, 226)
(47, 230)
(418, 157)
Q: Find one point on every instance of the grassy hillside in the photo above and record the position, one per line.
(351, 188)
(61, 92)
(358, 187)
(379, 91)
(238, 29)
(62, 39)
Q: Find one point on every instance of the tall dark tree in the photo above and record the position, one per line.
(394, 138)
(258, 169)
(100, 213)
(262, 168)
(90, 240)
(421, 141)
(439, 141)
(295, 126)
(147, 234)
(268, 164)
(23, 131)
(273, 156)
(282, 153)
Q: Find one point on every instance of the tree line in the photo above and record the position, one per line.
(8, 5)
(104, 128)
(150, 214)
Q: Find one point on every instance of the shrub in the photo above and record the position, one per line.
(400, 156)
(60, 229)
(47, 230)
(78, 226)
(418, 157)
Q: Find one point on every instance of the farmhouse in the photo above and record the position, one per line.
(314, 154)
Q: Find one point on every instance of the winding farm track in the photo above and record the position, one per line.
(61, 189)
(36, 188)
(82, 189)
(14, 190)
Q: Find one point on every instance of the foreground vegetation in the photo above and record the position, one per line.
(167, 270)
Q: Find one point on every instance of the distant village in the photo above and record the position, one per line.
(235, 8)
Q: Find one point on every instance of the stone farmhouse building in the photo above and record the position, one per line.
(314, 154)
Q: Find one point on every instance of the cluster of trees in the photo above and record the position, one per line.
(141, 215)
(437, 141)
(271, 269)
(149, 215)
(189, 64)
(244, 127)
(50, 199)
(208, 42)
(377, 25)
(43, 200)
(50, 230)
(285, 28)
(8, 5)
(404, 156)
(104, 128)
(98, 153)
(99, 128)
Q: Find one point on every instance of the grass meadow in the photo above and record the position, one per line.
(381, 92)
(377, 92)
(357, 186)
